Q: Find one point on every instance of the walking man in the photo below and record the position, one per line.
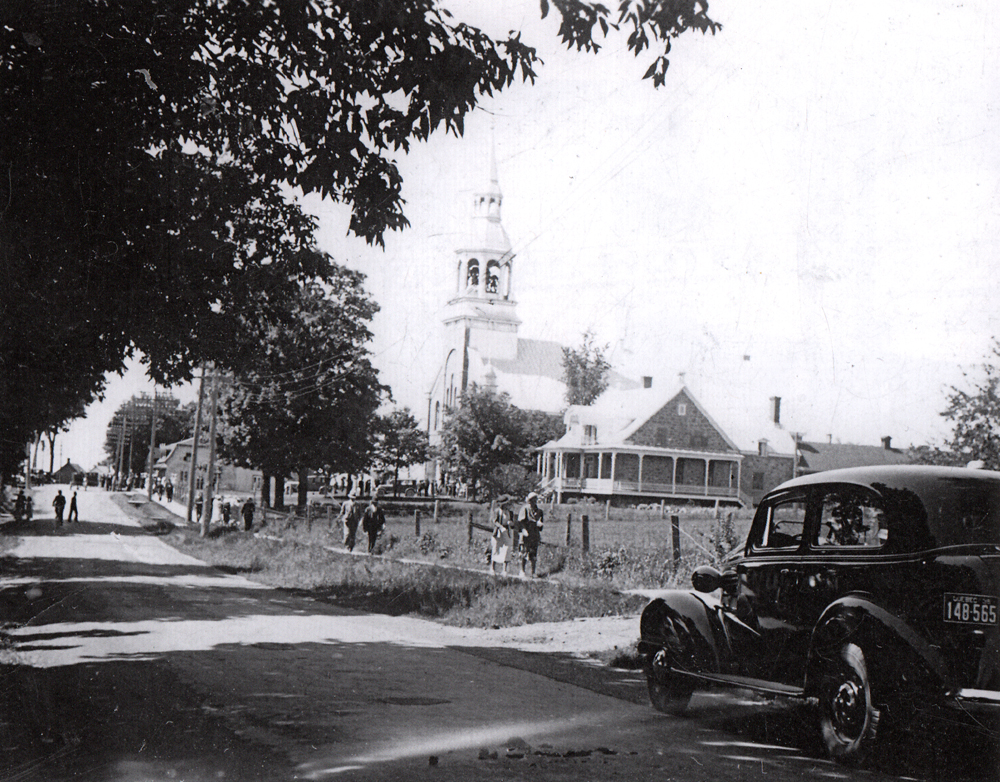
(59, 503)
(247, 511)
(529, 522)
(350, 515)
(74, 512)
(373, 523)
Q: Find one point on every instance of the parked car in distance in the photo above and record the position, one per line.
(875, 590)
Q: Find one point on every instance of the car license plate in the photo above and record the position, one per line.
(971, 609)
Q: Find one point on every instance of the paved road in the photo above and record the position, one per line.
(140, 663)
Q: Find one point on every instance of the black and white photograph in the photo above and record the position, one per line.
(499, 390)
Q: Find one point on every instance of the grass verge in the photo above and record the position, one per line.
(453, 595)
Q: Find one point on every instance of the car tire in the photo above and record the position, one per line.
(848, 717)
(668, 692)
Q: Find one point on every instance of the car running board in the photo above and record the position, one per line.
(749, 683)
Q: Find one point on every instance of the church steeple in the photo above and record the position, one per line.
(483, 295)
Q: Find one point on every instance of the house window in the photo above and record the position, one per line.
(758, 481)
(662, 436)
(698, 441)
(589, 433)
(682, 409)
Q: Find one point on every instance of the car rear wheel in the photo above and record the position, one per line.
(848, 717)
(669, 692)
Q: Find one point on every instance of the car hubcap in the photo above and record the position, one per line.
(849, 709)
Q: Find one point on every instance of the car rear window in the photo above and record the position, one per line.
(945, 510)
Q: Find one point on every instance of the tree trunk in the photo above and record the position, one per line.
(265, 491)
(51, 437)
(279, 492)
(303, 498)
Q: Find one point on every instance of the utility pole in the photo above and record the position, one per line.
(194, 445)
(131, 435)
(121, 449)
(152, 450)
(206, 516)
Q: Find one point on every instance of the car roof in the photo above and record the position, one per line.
(866, 476)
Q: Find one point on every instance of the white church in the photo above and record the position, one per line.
(482, 343)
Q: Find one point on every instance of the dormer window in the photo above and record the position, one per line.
(589, 433)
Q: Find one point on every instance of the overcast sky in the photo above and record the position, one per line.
(807, 209)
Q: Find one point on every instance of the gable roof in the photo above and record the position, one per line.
(818, 457)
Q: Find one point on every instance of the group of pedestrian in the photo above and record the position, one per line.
(59, 505)
(23, 506)
(521, 535)
(371, 519)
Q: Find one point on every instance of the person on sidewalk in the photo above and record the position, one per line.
(74, 511)
(350, 516)
(247, 513)
(529, 524)
(199, 506)
(59, 504)
(373, 523)
(170, 490)
(503, 534)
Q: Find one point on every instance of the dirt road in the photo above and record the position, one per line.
(140, 663)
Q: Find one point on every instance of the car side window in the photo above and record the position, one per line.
(785, 524)
(850, 518)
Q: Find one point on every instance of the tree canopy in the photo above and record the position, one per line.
(147, 150)
(975, 414)
(307, 394)
(399, 441)
(486, 432)
(585, 371)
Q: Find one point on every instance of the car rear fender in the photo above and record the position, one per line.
(901, 659)
(687, 626)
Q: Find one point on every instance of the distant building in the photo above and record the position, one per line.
(68, 472)
(817, 457)
(175, 465)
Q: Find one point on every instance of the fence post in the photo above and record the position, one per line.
(309, 518)
(675, 540)
(585, 533)
(470, 529)
(416, 523)
(607, 509)
(663, 509)
(437, 504)
(569, 528)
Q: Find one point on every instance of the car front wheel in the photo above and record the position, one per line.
(668, 692)
(848, 718)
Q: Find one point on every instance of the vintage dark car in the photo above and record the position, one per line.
(875, 590)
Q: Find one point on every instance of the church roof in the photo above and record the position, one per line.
(534, 357)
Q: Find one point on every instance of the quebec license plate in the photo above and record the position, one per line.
(971, 609)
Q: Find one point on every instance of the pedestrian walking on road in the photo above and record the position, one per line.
(74, 511)
(529, 524)
(247, 512)
(20, 505)
(373, 523)
(59, 503)
(350, 516)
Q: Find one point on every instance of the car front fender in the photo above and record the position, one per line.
(686, 625)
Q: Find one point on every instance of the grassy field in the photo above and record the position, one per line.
(438, 573)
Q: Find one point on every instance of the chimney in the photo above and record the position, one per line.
(887, 443)
(829, 439)
(776, 409)
(647, 381)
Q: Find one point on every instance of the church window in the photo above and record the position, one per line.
(492, 277)
(472, 278)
